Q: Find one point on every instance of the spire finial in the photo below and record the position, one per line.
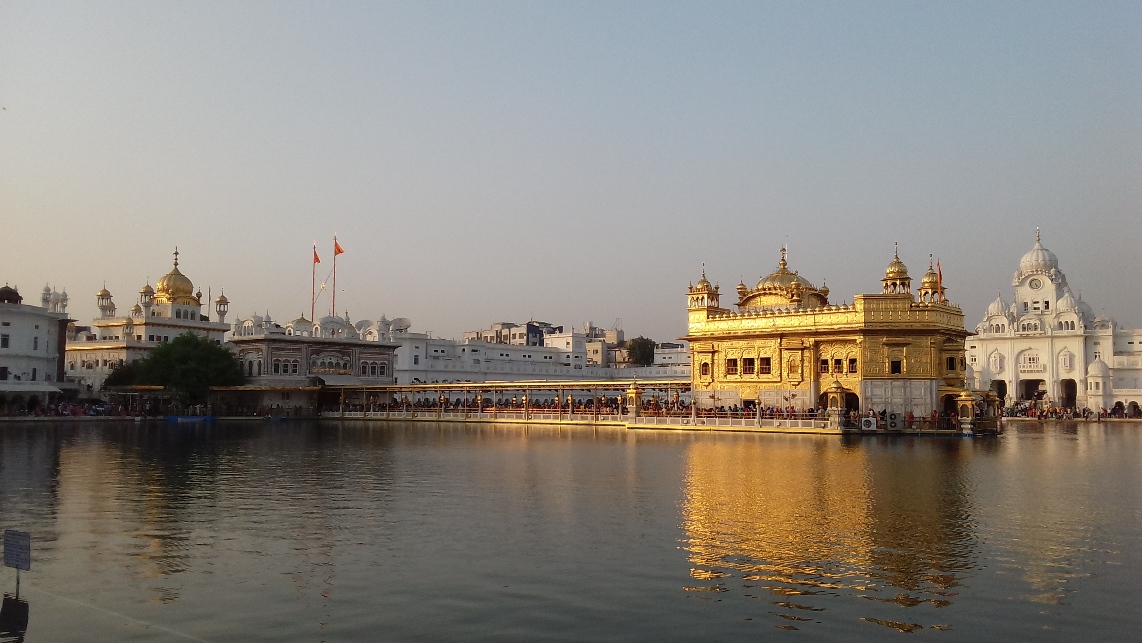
(176, 256)
(703, 270)
(1037, 240)
(929, 261)
(784, 254)
(896, 249)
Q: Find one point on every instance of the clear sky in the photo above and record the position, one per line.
(571, 161)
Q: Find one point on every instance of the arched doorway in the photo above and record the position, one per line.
(999, 387)
(1069, 392)
(1132, 410)
(1031, 390)
(948, 404)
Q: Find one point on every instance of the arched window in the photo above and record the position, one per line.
(250, 369)
(259, 368)
(381, 369)
(364, 368)
(705, 368)
(373, 369)
(277, 367)
(295, 365)
(178, 314)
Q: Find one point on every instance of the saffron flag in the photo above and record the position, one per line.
(316, 259)
(337, 249)
(939, 281)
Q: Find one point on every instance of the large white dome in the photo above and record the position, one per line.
(1038, 259)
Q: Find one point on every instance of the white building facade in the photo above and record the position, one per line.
(31, 358)
(161, 313)
(1049, 348)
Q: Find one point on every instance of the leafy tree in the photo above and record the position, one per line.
(188, 364)
(122, 375)
(641, 351)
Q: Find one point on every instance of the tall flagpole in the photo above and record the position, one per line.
(313, 282)
(334, 275)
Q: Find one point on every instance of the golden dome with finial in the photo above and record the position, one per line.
(781, 288)
(930, 280)
(896, 269)
(175, 286)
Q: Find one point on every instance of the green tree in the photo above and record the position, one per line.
(188, 364)
(641, 351)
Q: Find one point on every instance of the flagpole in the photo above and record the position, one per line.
(334, 275)
(313, 282)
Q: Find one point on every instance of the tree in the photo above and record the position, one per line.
(640, 351)
(188, 364)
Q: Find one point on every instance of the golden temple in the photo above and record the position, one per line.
(785, 344)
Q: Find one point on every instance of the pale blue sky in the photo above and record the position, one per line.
(489, 161)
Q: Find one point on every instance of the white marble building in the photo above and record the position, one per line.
(161, 313)
(420, 358)
(31, 358)
(1047, 345)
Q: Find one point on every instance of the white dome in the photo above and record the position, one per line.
(1067, 302)
(1038, 259)
(1098, 368)
(997, 308)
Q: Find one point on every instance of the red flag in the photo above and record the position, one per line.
(939, 281)
(337, 249)
(316, 259)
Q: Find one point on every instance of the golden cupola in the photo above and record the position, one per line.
(783, 288)
(896, 280)
(175, 287)
(931, 290)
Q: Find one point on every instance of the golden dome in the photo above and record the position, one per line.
(781, 288)
(147, 290)
(896, 269)
(930, 280)
(103, 292)
(782, 278)
(174, 284)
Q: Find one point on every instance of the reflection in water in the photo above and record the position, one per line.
(809, 518)
(13, 619)
(330, 531)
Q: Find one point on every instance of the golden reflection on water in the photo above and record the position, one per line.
(807, 518)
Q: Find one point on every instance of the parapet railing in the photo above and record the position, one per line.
(746, 422)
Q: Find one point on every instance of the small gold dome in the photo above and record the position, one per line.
(931, 280)
(147, 290)
(896, 269)
(103, 292)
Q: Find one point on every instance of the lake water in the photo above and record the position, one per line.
(351, 531)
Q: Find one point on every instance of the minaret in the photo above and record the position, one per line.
(222, 305)
(46, 297)
(104, 302)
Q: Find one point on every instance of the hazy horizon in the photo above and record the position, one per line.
(578, 162)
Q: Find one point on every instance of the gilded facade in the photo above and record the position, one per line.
(785, 343)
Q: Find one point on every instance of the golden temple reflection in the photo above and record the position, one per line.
(808, 521)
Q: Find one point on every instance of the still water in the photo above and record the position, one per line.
(351, 532)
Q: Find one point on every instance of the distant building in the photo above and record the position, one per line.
(529, 333)
(1048, 347)
(32, 342)
(671, 354)
(162, 313)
